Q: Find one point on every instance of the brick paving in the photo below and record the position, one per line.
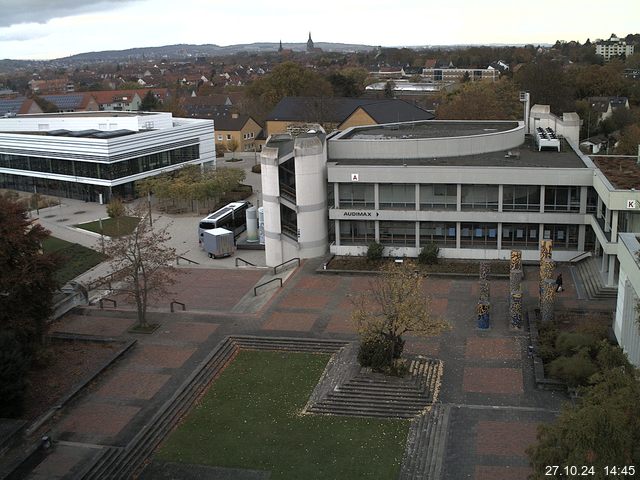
(493, 380)
(132, 384)
(487, 380)
(292, 321)
(162, 356)
(504, 438)
(484, 472)
(99, 419)
(94, 325)
(492, 348)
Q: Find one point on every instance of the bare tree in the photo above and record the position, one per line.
(142, 261)
(394, 305)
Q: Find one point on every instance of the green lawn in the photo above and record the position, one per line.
(250, 418)
(112, 227)
(75, 259)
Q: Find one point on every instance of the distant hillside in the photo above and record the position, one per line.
(186, 50)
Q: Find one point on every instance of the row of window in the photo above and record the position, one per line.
(444, 234)
(472, 197)
(104, 171)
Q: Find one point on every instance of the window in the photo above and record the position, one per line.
(228, 136)
(438, 197)
(442, 234)
(561, 199)
(564, 237)
(480, 197)
(520, 235)
(356, 195)
(402, 234)
(220, 137)
(478, 235)
(521, 198)
(289, 222)
(397, 196)
(354, 232)
(592, 200)
(252, 134)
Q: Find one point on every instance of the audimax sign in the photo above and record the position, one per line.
(359, 213)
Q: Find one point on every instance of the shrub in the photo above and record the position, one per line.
(256, 168)
(429, 254)
(14, 365)
(568, 343)
(612, 356)
(378, 353)
(574, 370)
(115, 208)
(374, 251)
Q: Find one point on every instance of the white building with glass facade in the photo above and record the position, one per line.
(96, 155)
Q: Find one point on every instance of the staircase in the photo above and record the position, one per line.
(426, 442)
(118, 462)
(369, 394)
(592, 280)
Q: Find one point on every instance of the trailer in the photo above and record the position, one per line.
(218, 242)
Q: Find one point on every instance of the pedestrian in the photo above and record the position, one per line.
(559, 287)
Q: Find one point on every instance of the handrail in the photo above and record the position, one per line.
(245, 261)
(177, 303)
(284, 263)
(577, 257)
(255, 289)
(115, 304)
(178, 257)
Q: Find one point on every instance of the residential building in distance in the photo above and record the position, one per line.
(604, 106)
(236, 128)
(126, 100)
(73, 102)
(296, 114)
(614, 47)
(15, 105)
(97, 155)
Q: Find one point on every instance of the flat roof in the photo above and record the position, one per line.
(428, 129)
(101, 113)
(622, 172)
(526, 155)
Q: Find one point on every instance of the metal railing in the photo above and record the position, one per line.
(113, 302)
(175, 302)
(244, 261)
(579, 257)
(296, 259)
(179, 257)
(255, 289)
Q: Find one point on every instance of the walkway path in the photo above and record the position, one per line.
(487, 384)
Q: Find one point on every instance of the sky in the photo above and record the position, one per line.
(47, 29)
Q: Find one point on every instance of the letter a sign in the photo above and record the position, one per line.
(355, 177)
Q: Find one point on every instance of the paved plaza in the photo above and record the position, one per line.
(488, 378)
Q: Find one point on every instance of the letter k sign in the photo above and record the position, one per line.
(631, 204)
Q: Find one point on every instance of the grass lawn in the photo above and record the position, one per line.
(112, 227)
(250, 418)
(75, 259)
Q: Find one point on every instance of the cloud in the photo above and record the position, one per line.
(23, 32)
(41, 11)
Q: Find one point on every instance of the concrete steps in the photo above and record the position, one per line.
(123, 463)
(426, 445)
(370, 394)
(592, 280)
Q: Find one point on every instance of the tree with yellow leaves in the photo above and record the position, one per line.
(394, 305)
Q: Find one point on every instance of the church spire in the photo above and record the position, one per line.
(309, 44)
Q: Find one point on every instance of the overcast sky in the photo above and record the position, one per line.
(45, 29)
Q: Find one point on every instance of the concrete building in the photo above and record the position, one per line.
(453, 74)
(614, 47)
(625, 325)
(95, 155)
(478, 189)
